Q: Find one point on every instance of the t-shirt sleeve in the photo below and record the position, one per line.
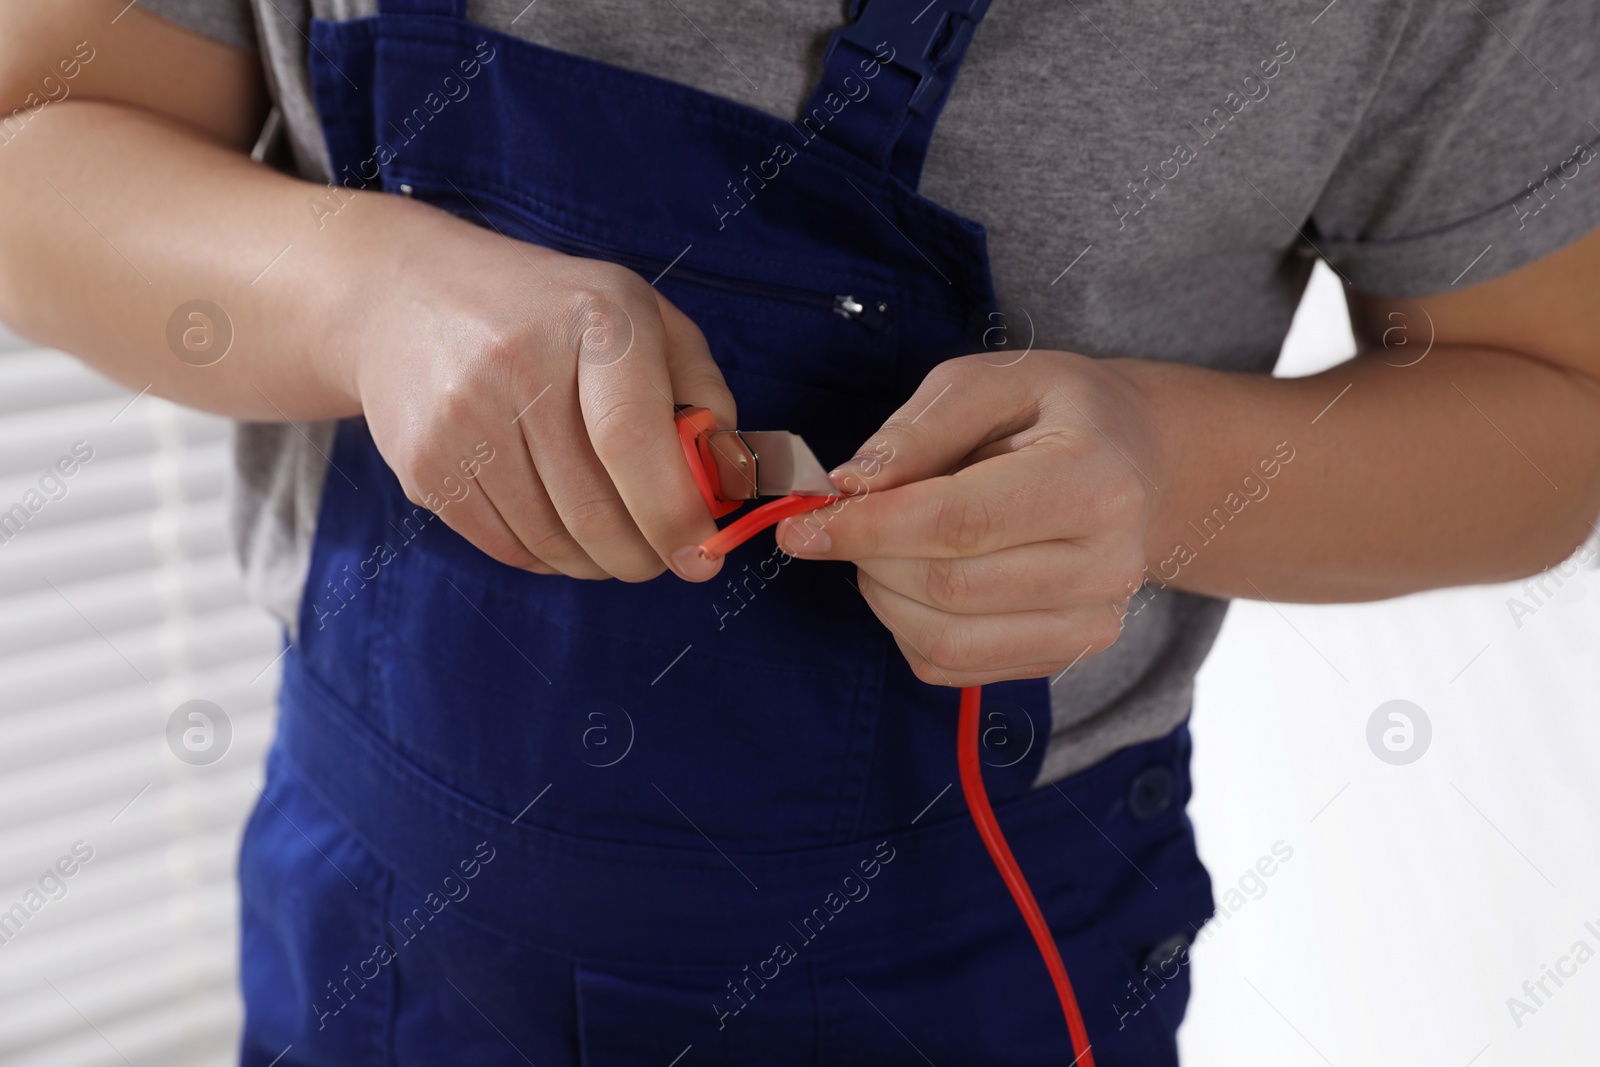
(1476, 155)
(228, 21)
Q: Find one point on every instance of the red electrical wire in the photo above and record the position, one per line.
(1006, 864)
(746, 527)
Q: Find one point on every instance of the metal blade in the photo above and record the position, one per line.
(753, 463)
(785, 464)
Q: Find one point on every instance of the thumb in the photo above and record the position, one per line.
(961, 406)
(696, 378)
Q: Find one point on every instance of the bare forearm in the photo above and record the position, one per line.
(1369, 480)
(117, 219)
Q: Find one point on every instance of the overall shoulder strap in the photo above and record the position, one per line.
(451, 8)
(886, 76)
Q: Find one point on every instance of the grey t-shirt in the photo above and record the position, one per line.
(1155, 178)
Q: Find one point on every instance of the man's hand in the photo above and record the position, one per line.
(1010, 511)
(1002, 526)
(525, 396)
(565, 368)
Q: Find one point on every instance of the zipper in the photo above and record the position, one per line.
(870, 312)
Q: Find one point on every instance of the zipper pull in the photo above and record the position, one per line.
(871, 314)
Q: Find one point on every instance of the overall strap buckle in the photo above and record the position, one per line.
(886, 87)
(922, 46)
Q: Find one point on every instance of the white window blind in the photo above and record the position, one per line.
(119, 601)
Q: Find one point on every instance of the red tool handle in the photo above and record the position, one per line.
(695, 427)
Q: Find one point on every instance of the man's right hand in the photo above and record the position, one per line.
(455, 342)
(562, 371)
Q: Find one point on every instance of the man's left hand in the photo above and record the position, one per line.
(998, 519)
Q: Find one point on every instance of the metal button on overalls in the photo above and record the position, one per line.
(1151, 792)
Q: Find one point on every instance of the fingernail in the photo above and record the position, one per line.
(798, 539)
(852, 465)
(693, 566)
(852, 477)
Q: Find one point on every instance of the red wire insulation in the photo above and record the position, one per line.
(1006, 864)
(747, 526)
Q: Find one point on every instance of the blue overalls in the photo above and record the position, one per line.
(512, 818)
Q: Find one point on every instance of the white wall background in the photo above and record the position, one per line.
(1418, 897)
